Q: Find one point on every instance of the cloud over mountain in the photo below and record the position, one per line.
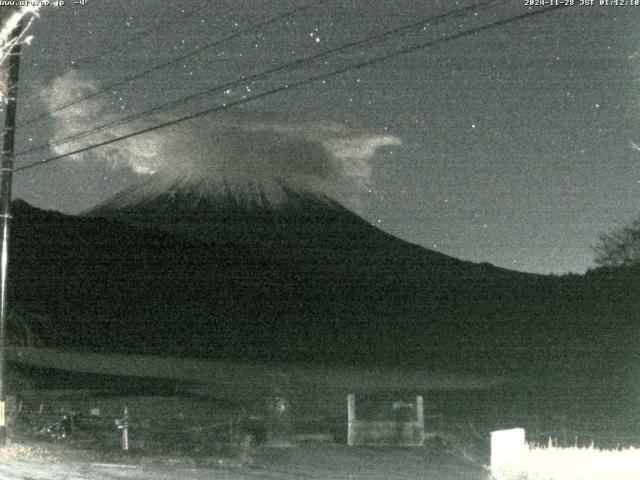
(238, 147)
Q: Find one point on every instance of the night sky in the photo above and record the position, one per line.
(514, 146)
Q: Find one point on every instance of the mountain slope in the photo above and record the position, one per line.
(306, 238)
(304, 276)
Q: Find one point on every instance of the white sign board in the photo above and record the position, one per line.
(507, 448)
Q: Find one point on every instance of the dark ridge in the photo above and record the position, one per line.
(303, 279)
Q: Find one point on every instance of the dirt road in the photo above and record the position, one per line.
(318, 463)
(18, 469)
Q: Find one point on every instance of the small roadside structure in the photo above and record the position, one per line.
(393, 422)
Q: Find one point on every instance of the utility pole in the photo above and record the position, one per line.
(11, 105)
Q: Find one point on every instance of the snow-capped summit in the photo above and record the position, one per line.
(232, 212)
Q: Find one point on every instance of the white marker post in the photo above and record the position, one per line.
(351, 419)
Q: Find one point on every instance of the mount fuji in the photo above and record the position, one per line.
(311, 271)
(213, 269)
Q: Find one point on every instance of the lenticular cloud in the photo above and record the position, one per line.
(237, 148)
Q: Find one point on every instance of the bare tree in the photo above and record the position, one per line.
(620, 248)
(6, 12)
(10, 18)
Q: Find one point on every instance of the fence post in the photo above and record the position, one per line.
(507, 447)
(125, 430)
(419, 420)
(351, 418)
(123, 424)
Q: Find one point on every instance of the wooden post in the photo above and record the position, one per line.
(5, 208)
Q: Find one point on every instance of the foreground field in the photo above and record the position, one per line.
(318, 388)
(206, 419)
(330, 463)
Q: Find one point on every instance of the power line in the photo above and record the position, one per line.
(288, 66)
(300, 83)
(144, 33)
(81, 62)
(192, 53)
